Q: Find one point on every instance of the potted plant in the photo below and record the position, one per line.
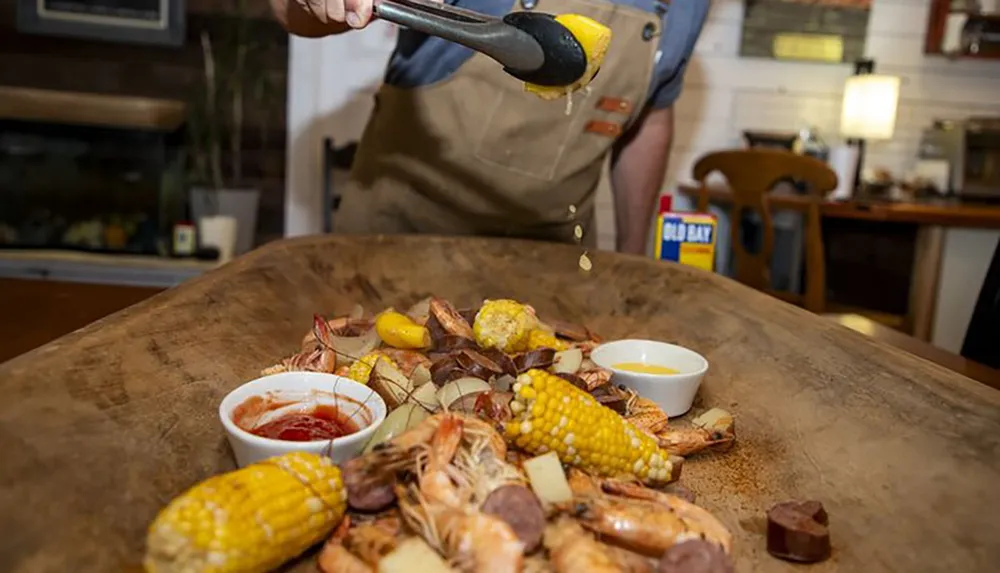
(233, 81)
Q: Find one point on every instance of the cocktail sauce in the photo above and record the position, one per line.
(321, 422)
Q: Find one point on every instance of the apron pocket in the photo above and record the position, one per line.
(528, 135)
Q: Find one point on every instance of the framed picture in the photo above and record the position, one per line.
(832, 31)
(130, 21)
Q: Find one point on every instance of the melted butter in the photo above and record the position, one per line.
(643, 368)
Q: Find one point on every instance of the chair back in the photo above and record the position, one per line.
(752, 174)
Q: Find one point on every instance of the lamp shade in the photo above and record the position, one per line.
(869, 110)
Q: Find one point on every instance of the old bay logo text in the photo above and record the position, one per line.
(700, 233)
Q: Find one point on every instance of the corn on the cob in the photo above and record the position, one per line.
(249, 520)
(540, 339)
(551, 414)
(362, 367)
(594, 38)
(504, 324)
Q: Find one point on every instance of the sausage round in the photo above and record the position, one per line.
(797, 531)
(695, 556)
(366, 492)
(520, 509)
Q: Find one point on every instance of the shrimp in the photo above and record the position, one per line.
(450, 319)
(715, 429)
(694, 517)
(409, 450)
(644, 526)
(313, 357)
(339, 326)
(582, 483)
(335, 558)
(474, 430)
(537, 564)
(435, 480)
(374, 540)
(484, 472)
(573, 550)
(441, 511)
(630, 562)
(697, 518)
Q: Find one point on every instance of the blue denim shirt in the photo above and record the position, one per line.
(421, 60)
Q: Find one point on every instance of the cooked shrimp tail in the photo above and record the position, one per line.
(574, 550)
(335, 558)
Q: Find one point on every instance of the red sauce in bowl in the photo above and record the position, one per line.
(321, 422)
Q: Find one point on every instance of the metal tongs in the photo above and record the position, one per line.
(531, 46)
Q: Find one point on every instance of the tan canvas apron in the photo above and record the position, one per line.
(476, 155)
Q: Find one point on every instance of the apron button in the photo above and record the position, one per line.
(648, 31)
(529, 4)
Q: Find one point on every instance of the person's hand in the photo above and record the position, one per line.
(355, 13)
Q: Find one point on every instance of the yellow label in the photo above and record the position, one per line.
(686, 238)
(816, 47)
(643, 368)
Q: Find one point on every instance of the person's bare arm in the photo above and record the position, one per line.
(319, 18)
(638, 168)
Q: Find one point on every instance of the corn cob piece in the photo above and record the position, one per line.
(551, 414)
(594, 38)
(540, 339)
(361, 370)
(504, 324)
(250, 520)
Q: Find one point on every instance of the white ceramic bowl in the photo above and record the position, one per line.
(672, 392)
(309, 389)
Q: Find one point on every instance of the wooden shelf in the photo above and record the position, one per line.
(29, 104)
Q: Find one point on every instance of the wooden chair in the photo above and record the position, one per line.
(752, 174)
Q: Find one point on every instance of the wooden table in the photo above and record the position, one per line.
(917, 347)
(931, 218)
(103, 426)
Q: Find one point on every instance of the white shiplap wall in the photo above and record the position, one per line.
(725, 94)
(331, 82)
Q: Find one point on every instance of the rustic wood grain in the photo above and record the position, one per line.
(102, 427)
(917, 347)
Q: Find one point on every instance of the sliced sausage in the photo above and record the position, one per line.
(520, 509)
(541, 358)
(435, 329)
(695, 556)
(451, 342)
(574, 380)
(469, 314)
(365, 491)
(501, 359)
(444, 370)
(475, 364)
(798, 531)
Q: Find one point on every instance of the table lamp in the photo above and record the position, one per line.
(869, 109)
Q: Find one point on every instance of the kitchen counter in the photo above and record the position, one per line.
(77, 266)
(104, 426)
